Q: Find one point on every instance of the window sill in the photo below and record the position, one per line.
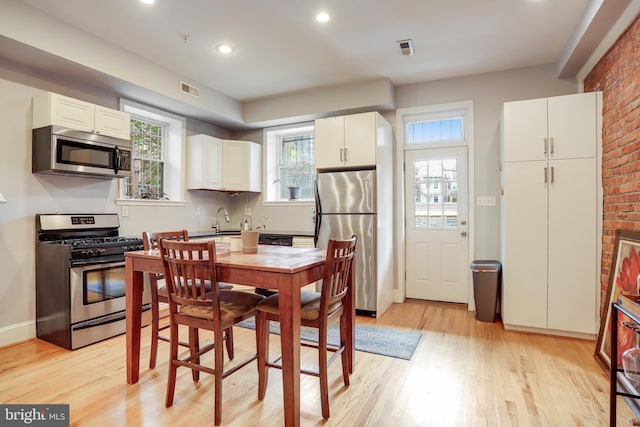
(304, 202)
(145, 202)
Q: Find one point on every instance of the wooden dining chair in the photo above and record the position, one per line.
(159, 294)
(317, 310)
(188, 267)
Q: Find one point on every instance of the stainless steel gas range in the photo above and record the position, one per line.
(80, 278)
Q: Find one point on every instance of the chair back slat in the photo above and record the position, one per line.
(150, 239)
(337, 273)
(189, 266)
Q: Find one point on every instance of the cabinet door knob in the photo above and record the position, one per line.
(463, 233)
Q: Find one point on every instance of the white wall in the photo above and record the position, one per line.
(29, 194)
(488, 92)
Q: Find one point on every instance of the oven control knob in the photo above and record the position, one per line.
(88, 252)
(100, 251)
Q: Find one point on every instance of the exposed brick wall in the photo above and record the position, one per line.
(617, 75)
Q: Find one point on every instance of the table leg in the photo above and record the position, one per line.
(133, 292)
(290, 342)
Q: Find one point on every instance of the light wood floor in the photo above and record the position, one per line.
(464, 373)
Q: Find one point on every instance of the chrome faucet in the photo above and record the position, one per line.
(226, 218)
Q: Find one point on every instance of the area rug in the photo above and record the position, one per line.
(398, 343)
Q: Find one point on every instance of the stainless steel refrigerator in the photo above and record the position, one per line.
(346, 204)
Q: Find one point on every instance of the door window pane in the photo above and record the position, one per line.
(436, 194)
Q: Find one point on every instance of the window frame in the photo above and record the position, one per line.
(173, 155)
(272, 138)
(438, 114)
(163, 154)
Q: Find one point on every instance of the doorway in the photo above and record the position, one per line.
(437, 224)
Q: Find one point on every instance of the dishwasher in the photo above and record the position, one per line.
(275, 239)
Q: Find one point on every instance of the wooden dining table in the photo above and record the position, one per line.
(282, 268)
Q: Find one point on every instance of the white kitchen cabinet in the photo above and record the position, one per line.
(204, 162)
(550, 128)
(347, 141)
(242, 166)
(224, 165)
(112, 122)
(53, 109)
(550, 214)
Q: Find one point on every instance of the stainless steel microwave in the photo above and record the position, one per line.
(62, 151)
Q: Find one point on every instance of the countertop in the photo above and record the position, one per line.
(210, 233)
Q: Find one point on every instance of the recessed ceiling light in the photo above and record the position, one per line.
(224, 48)
(148, 1)
(322, 17)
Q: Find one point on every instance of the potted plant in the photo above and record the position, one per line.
(297, 172)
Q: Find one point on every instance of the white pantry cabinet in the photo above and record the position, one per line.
(550, 214)
(347, 141)
(52, 109)
(224, 165)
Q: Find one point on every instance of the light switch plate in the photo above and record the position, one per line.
(485, 201)
(125, 211)
(247, 211)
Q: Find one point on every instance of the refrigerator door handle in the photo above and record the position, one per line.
(318, 220)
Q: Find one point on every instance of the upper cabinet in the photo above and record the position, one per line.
(347, 141)
(560, 127)
(224, 165)
(53, 109)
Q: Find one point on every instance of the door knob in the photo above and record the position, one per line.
(463, 233)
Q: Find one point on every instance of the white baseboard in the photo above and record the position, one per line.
(17, 332)
(398, 296)
(544, 331)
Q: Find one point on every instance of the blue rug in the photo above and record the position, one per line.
(398, 343)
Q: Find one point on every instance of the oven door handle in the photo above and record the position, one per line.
(115, 317)
(106, 263)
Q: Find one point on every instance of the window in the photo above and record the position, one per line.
(436, 194)
(147, 180)
(438, 127)
(434, 130)
(290, 163)
(158, 146)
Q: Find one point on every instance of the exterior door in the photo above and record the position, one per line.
(437, 248)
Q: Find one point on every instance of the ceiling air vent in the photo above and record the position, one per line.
(189, 89)
(406, 47)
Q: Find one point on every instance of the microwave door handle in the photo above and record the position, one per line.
(116, 160)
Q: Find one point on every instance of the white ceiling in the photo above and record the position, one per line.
(281, 49)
